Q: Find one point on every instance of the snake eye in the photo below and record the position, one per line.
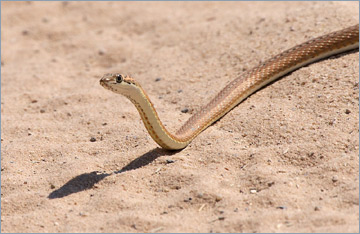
(119, 78)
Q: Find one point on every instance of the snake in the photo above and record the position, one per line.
(235, 91)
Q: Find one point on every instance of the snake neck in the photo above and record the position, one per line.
(153, 124)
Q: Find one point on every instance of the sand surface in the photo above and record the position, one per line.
(285, 160)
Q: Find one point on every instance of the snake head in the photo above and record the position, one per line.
(119, 83)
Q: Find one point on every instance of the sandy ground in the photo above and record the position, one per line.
(285, 160)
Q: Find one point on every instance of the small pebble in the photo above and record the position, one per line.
(101, 52)
(218, 198)
(177, 187)
(92, 139)
(185, 110)
(83, 214)
(157, 79)
(332, 122)
(316, 208)
(281, 207)
(169, 161)
(347, 111)
(52, 186)
(334, 179)
(25, 32)
(42, 111)
(253, 191)
(179, 91)
(188, 199)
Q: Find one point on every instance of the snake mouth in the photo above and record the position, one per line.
(106, 83)
(103, 83)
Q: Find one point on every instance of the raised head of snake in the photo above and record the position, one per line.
(121, 84)
(130, 88)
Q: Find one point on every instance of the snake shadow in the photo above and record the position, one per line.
(88, 180)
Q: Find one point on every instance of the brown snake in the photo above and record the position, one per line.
(236, 91)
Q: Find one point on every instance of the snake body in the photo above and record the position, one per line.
(235, 92)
